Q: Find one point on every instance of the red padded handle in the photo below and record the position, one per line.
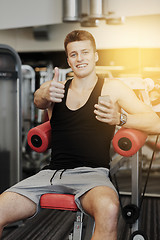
(127, 141)
(58, 201)
(39, 138)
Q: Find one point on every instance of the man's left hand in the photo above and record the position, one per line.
(106, 111)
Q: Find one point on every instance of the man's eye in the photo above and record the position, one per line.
(73, 55)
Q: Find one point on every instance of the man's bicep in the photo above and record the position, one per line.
(131, 103)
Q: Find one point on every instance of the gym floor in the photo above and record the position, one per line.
(56, 225)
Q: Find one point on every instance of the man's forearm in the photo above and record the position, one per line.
(148, 122)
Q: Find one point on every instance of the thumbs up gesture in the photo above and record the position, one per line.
(56, 88)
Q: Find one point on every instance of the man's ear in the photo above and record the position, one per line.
(96, 57)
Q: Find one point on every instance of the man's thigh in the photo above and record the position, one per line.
(14, 207)
(34, 186)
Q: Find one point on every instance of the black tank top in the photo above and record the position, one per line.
(78, 138)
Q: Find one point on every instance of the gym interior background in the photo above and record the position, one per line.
(128, 43)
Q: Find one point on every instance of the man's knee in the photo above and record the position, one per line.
(101, 202)
(107, 207)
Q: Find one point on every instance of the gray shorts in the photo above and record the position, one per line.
(75, 181)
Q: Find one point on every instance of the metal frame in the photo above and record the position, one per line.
(15, 174)
(136, 181)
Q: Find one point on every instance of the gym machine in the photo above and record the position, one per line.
(10, 117)
(127, 143)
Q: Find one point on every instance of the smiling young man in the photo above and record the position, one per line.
(82, 130)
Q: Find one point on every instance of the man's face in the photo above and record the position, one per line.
(82, 58)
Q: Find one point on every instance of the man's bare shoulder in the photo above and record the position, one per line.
(113, 87)
(113, 83)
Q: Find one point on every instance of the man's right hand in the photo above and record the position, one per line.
(49, 92)
(56, 88)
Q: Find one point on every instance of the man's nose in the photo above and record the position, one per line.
(79, 57)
